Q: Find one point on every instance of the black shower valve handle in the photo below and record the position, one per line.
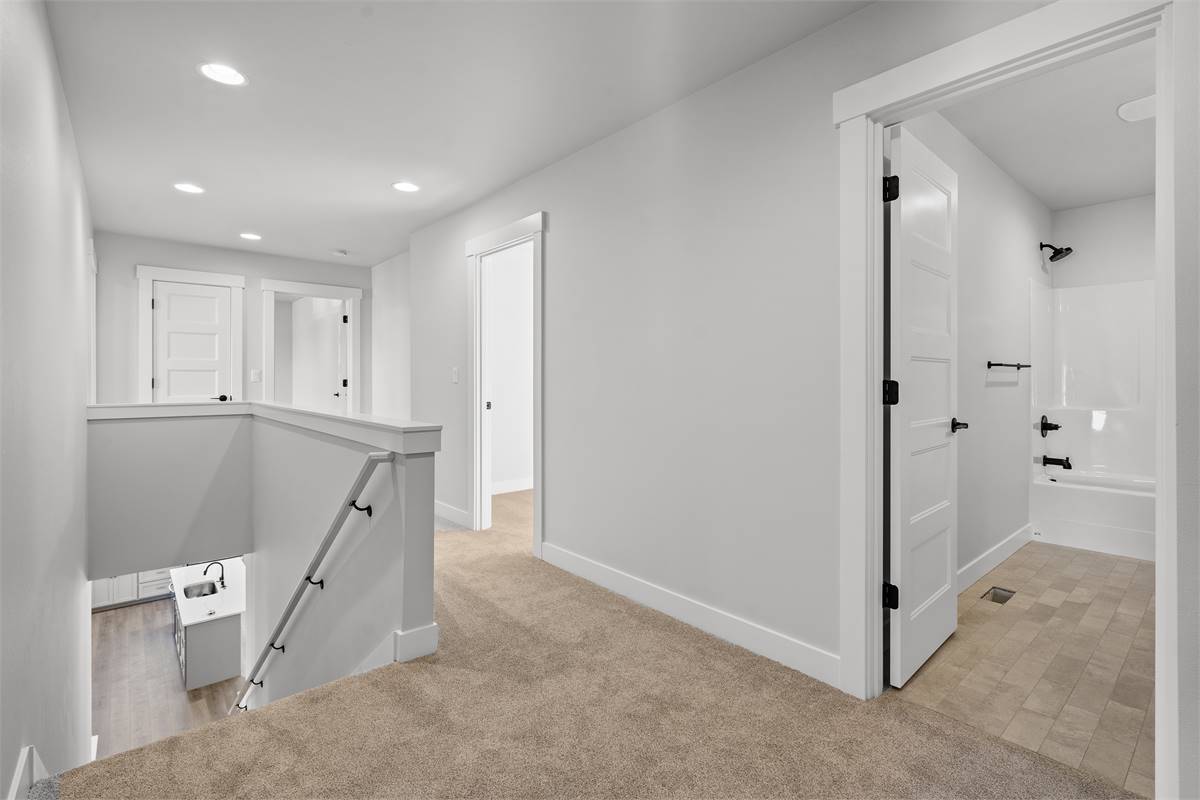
(1048, 426)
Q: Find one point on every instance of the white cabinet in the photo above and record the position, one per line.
(128, 588)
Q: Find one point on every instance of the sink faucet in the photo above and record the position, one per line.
(222, 566)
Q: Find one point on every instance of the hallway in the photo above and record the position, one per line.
(545, 685)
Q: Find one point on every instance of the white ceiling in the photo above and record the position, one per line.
(345, 98)
(1058, 134)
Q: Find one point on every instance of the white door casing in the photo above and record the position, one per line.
(924, 454)
(193, 343)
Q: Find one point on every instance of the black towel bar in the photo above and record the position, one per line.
(1006, 364)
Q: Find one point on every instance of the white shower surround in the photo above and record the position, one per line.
(1093, 356)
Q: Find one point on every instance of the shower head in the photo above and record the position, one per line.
(1057, 253)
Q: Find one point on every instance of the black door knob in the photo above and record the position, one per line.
(956, 426)
(221, 397)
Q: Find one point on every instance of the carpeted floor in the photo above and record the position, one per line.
(548, 686)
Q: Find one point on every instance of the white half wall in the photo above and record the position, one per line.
(117, 297)
(691, 365)
(167, 491)
(45, 273)
(1000, 225)
(391, 339)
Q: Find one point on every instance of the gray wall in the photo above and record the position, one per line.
(382, 563)
(691, 283)
(283, 351)
(168, 491)
(117, 319)
(1000, 225)
(391, 353)
(45, 279)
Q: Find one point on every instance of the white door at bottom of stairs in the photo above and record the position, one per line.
(923, 359)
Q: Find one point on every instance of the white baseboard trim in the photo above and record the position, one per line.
(95, 746)
(994, 557)
(29, 770)
(401, 646)
(790, 652)
(515, 485)
(422, 641)
(455, 515)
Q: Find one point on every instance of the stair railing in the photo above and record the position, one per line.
(310, 575)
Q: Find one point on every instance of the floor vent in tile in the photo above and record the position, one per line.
(998, 595)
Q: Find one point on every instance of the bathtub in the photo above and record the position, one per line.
(1100, 511)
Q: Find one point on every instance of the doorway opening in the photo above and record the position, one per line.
(507, 376)
(1022, 453)
(1030, 46)
(310, 344)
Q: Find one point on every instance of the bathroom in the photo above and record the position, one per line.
(1093, 379)
(1038, 485)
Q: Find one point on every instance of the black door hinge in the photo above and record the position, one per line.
(152, 303)
(345, 317)
(891, 392)
(891, 188)
(891, 596)
(345, 383)
(152, 383)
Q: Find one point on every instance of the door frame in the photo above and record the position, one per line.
(527, 229)
(1050, 37)
(351, 295)
(146, 276)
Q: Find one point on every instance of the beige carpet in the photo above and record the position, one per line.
(548, 686)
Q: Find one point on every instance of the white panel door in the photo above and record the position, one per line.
(319, 360)
(193, 343)
(924, 456)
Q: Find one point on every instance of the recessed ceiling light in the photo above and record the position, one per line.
(222, 73)
(1137, 110)
(406, 186)
(189, 188)
(254, 237)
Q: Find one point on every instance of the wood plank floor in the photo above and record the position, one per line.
(1065, 667)
(137, 690)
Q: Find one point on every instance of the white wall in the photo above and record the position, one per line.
(283, 351)
(508, 343)
(1113, 242)
(45, 650)
(690, 337)
(1000, 225)
(117, 318)
(391, 335)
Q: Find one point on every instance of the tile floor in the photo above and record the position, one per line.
(1066, 667)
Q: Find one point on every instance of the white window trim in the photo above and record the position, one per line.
(146, 276)
(1049, 37)
(353, 297)
(531, 229)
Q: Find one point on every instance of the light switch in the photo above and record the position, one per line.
(454, 374)
(256, 376)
